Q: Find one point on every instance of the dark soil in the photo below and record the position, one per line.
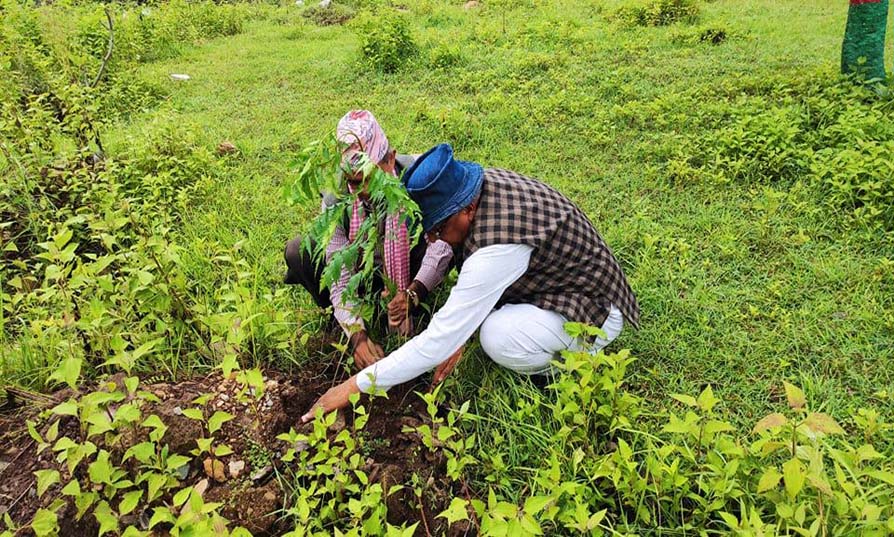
(251, 495)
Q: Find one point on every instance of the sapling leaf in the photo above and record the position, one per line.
(108, 521)
(793, 473)
(223, 450)
(770, 421)
(216, 421)
(73, 488)
(194, 414)
(66, 408)
(796, 397)
(769, 480)
(819, 422)
(685, 399)
(53, 432)
(68, 371)
(143, 452)
(46, 479)
(32, 431)
(706, 399)
(45, 523)
(228, 364)
(456, 511)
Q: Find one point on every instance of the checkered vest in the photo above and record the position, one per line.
(571, 271)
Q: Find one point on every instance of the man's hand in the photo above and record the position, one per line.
(366, 351)
(398, 308)
(443, 370)
(334, 398)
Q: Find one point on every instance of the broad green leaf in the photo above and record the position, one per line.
(129, 502)
(707, 401)
(68, 371)
(229, 363)
(84, 501)
(100, 470)
(108, 521)
(46, 479)
(796, 397)
(45, 523)
(66, 408)
(769, 480)
(217, 420)
(822, 423)
(794, 475)
(73, 488)
(687, 400)
(143, 452)
(769, 422)
(194, 414)
(535, 504)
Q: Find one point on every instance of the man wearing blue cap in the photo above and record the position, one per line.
(530, 261)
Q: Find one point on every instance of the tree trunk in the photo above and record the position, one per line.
(863, 51)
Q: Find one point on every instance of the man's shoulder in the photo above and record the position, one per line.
(404, 161)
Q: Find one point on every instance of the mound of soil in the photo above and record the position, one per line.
(244, 481)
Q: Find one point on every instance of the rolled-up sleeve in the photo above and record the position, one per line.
(434, 264)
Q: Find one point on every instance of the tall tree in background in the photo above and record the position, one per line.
(863, 51)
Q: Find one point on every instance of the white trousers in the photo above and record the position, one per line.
(525, 338)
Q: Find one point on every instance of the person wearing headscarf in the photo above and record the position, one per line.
(530, 260)
(415, 271)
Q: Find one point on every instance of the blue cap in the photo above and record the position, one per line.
(441, 185)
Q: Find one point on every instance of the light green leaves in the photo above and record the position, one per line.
(46, 479)
(796, 397)
(769, 422)
(68, 371)
(217, 420)
(794, 475)
(822, 423)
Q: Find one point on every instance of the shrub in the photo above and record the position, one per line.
(385, 39)
(825, 130)
(659, 13)
(328, 16)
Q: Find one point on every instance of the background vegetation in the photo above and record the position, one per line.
(746, 189)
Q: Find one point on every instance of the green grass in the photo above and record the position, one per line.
(732, 295)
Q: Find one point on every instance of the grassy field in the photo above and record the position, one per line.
(744, 187)
(742, 284)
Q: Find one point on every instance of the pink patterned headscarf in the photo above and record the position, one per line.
(360, 130)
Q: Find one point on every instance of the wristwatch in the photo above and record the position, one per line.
(413, 296)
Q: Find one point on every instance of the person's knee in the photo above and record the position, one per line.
(292, 253)
(504, 339)
(494, 338)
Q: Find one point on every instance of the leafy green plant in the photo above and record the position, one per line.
(319, 173)
(386, 42)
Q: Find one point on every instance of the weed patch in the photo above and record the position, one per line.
(658, 13)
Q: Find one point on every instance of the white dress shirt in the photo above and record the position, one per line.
(485, 275)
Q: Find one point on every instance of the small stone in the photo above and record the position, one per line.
(269, 496)
(226, 148)
(224, 397)
(201, 487)
(236, 468)
(261, 473)
(299, 3)
(179, 77)
(178, 411)
(325, 3)
(471, 4)
(214, 469)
